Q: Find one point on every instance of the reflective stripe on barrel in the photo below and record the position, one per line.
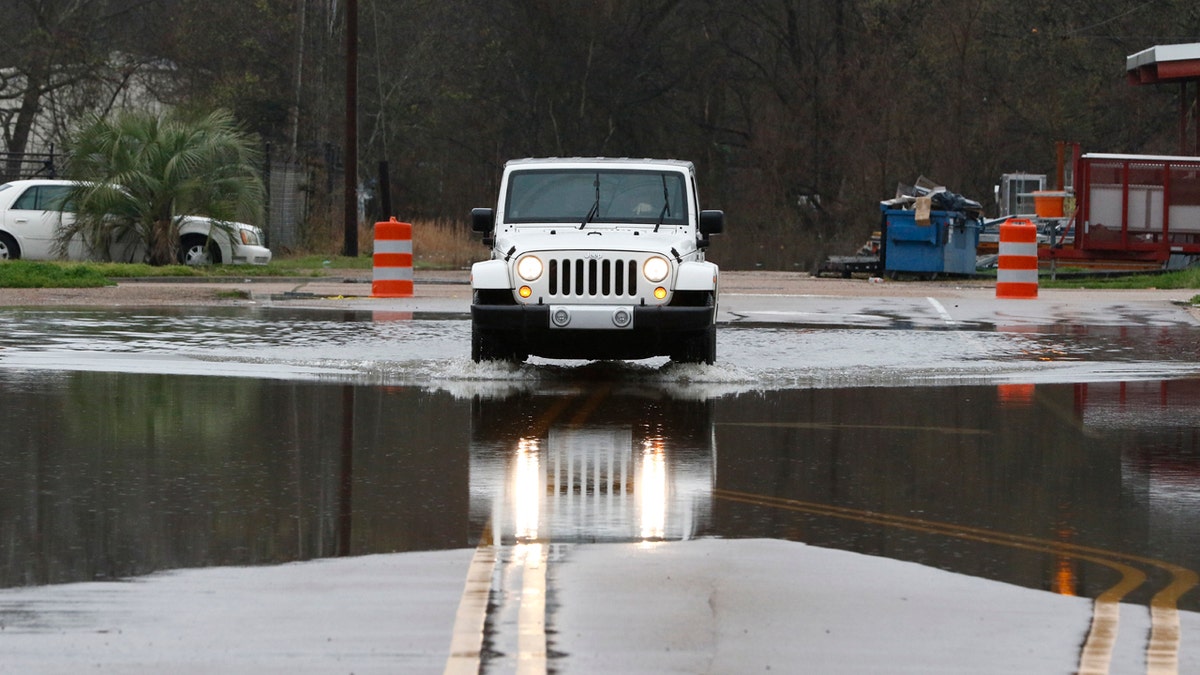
(1017, 272)
(392, 260)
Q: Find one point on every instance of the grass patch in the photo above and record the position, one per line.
(1180, 279)
(55, 274)
(114, 270)
(27, 274)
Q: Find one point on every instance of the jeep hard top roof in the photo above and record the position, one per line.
(591, 162)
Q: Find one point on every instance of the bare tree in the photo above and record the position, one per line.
(800, 114)
(48, 46)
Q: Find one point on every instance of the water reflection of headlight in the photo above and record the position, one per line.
(527, 484)
(653, 490)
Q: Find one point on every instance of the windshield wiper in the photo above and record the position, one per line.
(595, 210)
(666, 209)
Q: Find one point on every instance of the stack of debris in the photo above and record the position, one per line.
(926, 195)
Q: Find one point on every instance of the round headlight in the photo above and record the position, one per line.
(529, 268)
(656, 269)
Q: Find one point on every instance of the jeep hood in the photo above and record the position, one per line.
(595, 240)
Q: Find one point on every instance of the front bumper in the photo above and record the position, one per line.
(251, 255)
(654, 331)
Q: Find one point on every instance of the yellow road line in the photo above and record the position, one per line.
(1162, 651)
(466, 643)
(1095, 658)
(531, 618)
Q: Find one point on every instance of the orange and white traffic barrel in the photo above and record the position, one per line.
(392, 260)
(1017, 274)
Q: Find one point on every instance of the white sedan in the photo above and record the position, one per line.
(29, 224)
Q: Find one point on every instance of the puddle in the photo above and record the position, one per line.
(107, 475)
(165, 439)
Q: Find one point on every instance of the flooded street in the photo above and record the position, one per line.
(1059, 458)
(265, 436)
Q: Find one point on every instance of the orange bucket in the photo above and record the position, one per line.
(1048, 204)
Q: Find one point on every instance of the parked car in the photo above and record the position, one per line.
(30, 216)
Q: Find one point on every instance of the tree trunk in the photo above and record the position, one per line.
(164, 245)
(23, 125)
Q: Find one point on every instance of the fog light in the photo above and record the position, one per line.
(560, 317)
(660, 292)
(621, 318)
(525, 291)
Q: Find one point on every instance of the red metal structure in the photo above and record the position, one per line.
(1142, 209)
(1134, 208)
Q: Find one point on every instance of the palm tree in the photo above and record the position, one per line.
(138, 174)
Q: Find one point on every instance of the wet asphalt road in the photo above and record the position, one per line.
(870, 420)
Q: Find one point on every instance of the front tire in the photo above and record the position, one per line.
(699, 347)
(9, 250)
(481, 349)
(197, 249)
(487, 346)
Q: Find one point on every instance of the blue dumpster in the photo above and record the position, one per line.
(947, 244)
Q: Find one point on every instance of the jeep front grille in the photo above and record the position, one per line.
(580, 277)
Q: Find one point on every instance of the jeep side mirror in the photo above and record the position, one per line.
(483, 220)
(711, 222)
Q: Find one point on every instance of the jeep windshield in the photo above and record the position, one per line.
(588, 196)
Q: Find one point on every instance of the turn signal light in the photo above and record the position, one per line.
(525, 291)
(660, 292)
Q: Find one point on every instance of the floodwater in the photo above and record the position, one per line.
(131, 443)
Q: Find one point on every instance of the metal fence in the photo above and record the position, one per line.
(18, 165)
(287, 203)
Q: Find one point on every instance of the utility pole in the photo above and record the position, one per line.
(350, 162)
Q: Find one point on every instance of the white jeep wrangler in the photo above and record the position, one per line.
(595, 259)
